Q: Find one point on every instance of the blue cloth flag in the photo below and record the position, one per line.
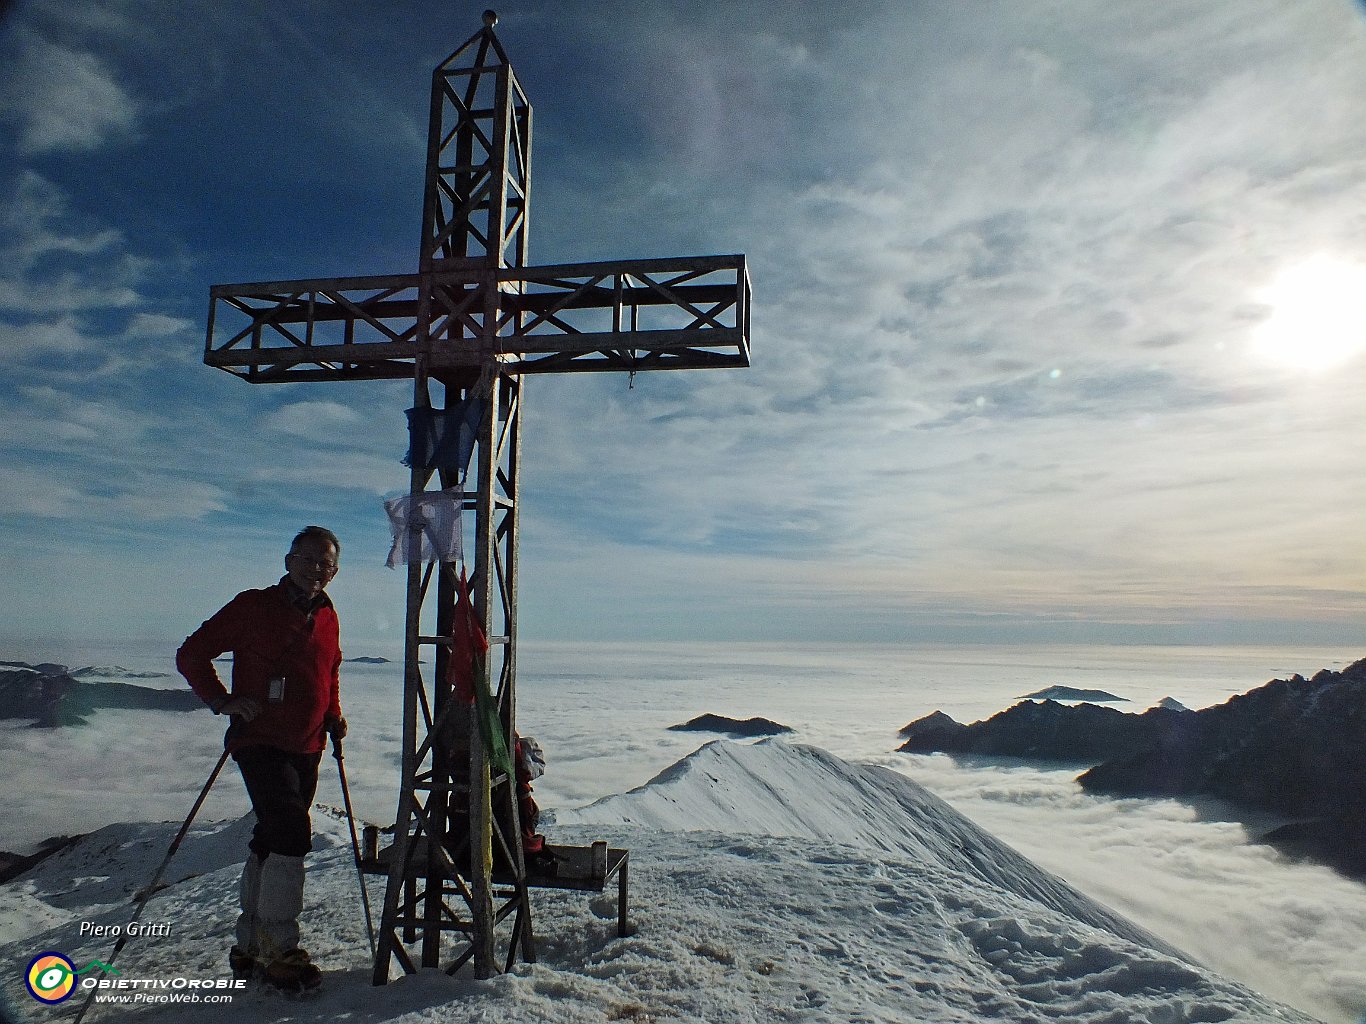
(444, 438)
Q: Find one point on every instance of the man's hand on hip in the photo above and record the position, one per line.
(244, 708)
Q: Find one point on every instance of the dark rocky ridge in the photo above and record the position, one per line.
(51, 696)
(1072, 693)
(1046, 729)
(732, 726)
(12, 865)
(1293, 747)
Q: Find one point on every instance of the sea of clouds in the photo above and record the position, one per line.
(1186, 872)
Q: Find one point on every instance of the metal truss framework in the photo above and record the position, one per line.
(683, 313)
(470, 323)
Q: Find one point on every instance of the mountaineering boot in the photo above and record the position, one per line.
(293, 971)
(243, 963)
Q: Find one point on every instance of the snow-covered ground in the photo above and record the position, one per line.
(769, 882)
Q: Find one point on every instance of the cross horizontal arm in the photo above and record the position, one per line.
(679, 313)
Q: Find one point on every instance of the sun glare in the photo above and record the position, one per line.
(1318, 315)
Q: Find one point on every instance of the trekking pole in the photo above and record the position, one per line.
(355, 843)
(152, 885)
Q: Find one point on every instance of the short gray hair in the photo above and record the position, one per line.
(319, 533)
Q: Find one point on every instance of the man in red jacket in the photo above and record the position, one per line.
(284, 701)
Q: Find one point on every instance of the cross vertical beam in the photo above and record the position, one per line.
(474, 220)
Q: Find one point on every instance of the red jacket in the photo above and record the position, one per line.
(270, 638)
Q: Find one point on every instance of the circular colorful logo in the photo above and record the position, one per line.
(51, 978)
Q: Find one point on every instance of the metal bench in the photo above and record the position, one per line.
(577, 868)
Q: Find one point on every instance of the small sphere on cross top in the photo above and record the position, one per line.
(490, 18)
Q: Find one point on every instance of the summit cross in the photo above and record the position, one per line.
(466, 328)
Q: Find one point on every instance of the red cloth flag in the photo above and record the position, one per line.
(465, 674)
(469, 644)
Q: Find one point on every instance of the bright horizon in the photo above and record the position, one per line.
(1057, 323)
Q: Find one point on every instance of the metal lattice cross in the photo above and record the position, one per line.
(471, 322)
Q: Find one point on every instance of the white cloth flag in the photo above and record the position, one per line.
(426, 527)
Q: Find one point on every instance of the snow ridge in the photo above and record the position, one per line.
(769, 882)
(782, 789)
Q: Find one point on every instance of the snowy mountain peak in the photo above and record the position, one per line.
(777, 788)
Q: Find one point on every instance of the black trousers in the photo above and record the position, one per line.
(281, 787)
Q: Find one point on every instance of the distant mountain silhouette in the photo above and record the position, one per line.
(116, 672)
(1045, 729)
(1072, 693)
(52, 696)
(1293, 747)
(732, 726)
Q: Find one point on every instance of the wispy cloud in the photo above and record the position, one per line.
(65, 99)
(1009, 263)
(315, 421)
(1007, 350)
(54, 261)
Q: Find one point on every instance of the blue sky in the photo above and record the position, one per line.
(1058, 329)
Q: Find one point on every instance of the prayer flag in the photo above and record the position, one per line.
(444, 438)
(465, 673)
(426, 527)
